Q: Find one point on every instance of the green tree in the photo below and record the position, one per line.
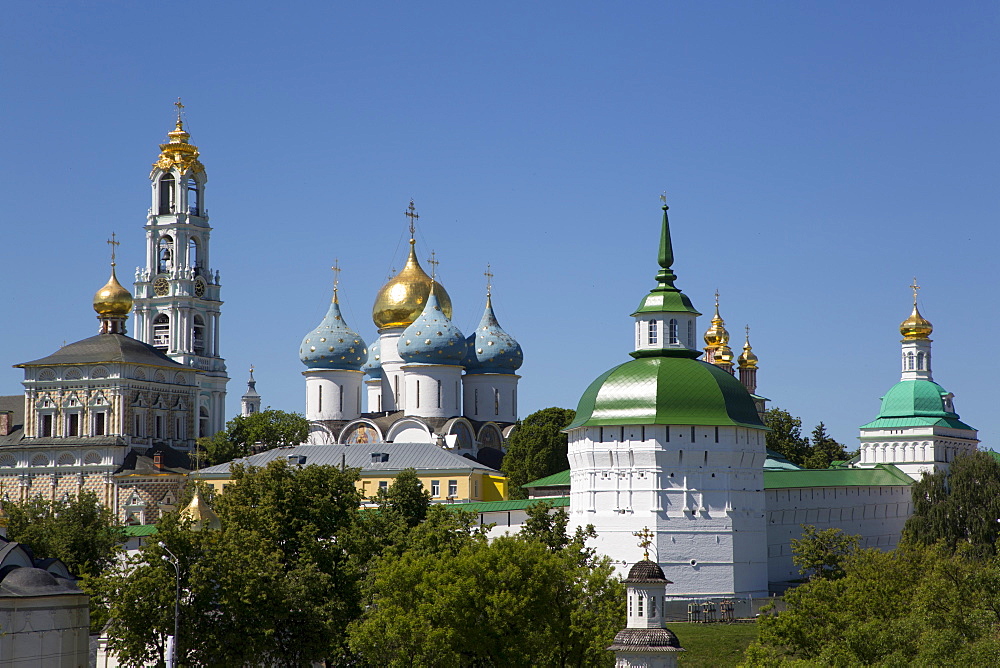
(509, 602)
(263, 430)
(822, 554)
(406, 496)
(785, 436)
(80, 531)
(960, 507)
(275, 585)
(536, 448)
(824, 450)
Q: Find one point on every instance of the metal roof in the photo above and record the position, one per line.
(503, 506)
(883, 475)
(560, 479)
(106, 348)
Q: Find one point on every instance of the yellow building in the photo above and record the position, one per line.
(449, 478)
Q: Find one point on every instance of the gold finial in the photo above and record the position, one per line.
(645, 540)
(433, 262)
(411, 213)
(251, 369)
(113, 243)
(716, 301)
(914, 287)
(336, 277)
(180, 108)
(489, 280)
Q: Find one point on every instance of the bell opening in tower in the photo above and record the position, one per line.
(166, 194)
(165, 255)
(161, 331)
(199, 335)
(194, 197)
(193, 255)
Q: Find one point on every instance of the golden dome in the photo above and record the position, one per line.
(113, 300)
(723, 356)
(747, 360)
(200, 513)
(402, 299)
(716, 334)
(916, 326)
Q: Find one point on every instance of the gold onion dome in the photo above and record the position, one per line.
(916, 326)
(747, 360)
(402, 299)
(724, 355)
(113, 299)
(716, 335)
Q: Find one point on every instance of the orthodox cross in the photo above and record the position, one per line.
(433, 262)
(747, 328)
(914, 287)
(336, 277)
(645, 540)
(113, 243)
(716, 299)
(411, 213)
(180, 108)
(489, 280)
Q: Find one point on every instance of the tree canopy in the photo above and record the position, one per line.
(80, 531)
(786, 438)
(960, 507)
(536, 448)
(263, 430)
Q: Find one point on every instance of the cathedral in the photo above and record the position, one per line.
(424, 381)
(116, 415)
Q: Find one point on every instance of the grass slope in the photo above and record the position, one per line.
(713, 645)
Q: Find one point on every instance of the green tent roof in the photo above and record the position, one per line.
(666, 389)
(883, 475)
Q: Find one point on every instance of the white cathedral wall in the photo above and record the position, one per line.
(333, 394)
(393, 387)
(877, 514)
(702, 497)
(432, 390)
(490, 397)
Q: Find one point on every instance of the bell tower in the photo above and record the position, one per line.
(177, 294)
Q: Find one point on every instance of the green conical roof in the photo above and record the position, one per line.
(665, 297)
(913, 403)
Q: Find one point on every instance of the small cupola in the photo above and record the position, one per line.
(490, 349)
(333, 344)
(432, 338)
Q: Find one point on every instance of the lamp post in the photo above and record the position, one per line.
(173, 561)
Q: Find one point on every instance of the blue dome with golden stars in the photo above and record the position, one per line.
(490, 349)
(432, 338)
(333, 345)
(373, 365)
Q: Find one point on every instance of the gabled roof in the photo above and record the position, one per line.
(106, 348)
(882, 475)
(399, 456)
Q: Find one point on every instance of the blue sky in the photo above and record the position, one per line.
(817, 156)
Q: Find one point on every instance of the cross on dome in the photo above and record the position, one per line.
(113, 243)
(489, 280)
(180, 108)
(645, 540)
(914, 287)
(411, 213)
(433, 262)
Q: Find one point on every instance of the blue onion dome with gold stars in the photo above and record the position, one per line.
(489, 348)
(432, 338)
(373, 365)
(333, 345)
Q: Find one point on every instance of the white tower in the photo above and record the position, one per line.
(177, 302)
(675, 444)
(917, 428)
(250, 401)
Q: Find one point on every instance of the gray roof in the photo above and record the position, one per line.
(106, 348)
(15, 405)
(418, 456)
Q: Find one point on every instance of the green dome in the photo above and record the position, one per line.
(666, 389)
(921, 398)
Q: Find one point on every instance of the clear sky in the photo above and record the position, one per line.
(817, 156)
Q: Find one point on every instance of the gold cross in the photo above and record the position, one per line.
(434, 263)
(180, 107)
(716, 298)
(113, 243)
(914, 287)
(489, 280)
(646, 539)
(411, 213)
(336, 273)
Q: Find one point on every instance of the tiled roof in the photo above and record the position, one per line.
(513, 504)
(646, 640)
(106, 348)
(882, 475)
(646, 572)
(418, 456)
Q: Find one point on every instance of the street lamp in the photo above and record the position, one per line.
(173, 561)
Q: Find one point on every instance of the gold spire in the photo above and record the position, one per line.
(177, 152)
(916, 326)
(200, 513)
(113, 300)
(747, 360)
(402, 298)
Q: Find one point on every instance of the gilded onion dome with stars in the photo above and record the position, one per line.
(432, 338)
(333, 345)
(490, 349)
(404, 296)
(373, 364)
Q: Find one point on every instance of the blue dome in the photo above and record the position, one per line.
(333, 345)
(373, 365)
(490, 349)
(432, 338)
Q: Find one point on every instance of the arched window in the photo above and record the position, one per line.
(193, 255)
(909, 361)
(161, 331)
(194, 197)
(167, 194)
(672, 331)
(203, 422)
(651, 333)
(199, 335)
(920, 361)
(165, 255)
